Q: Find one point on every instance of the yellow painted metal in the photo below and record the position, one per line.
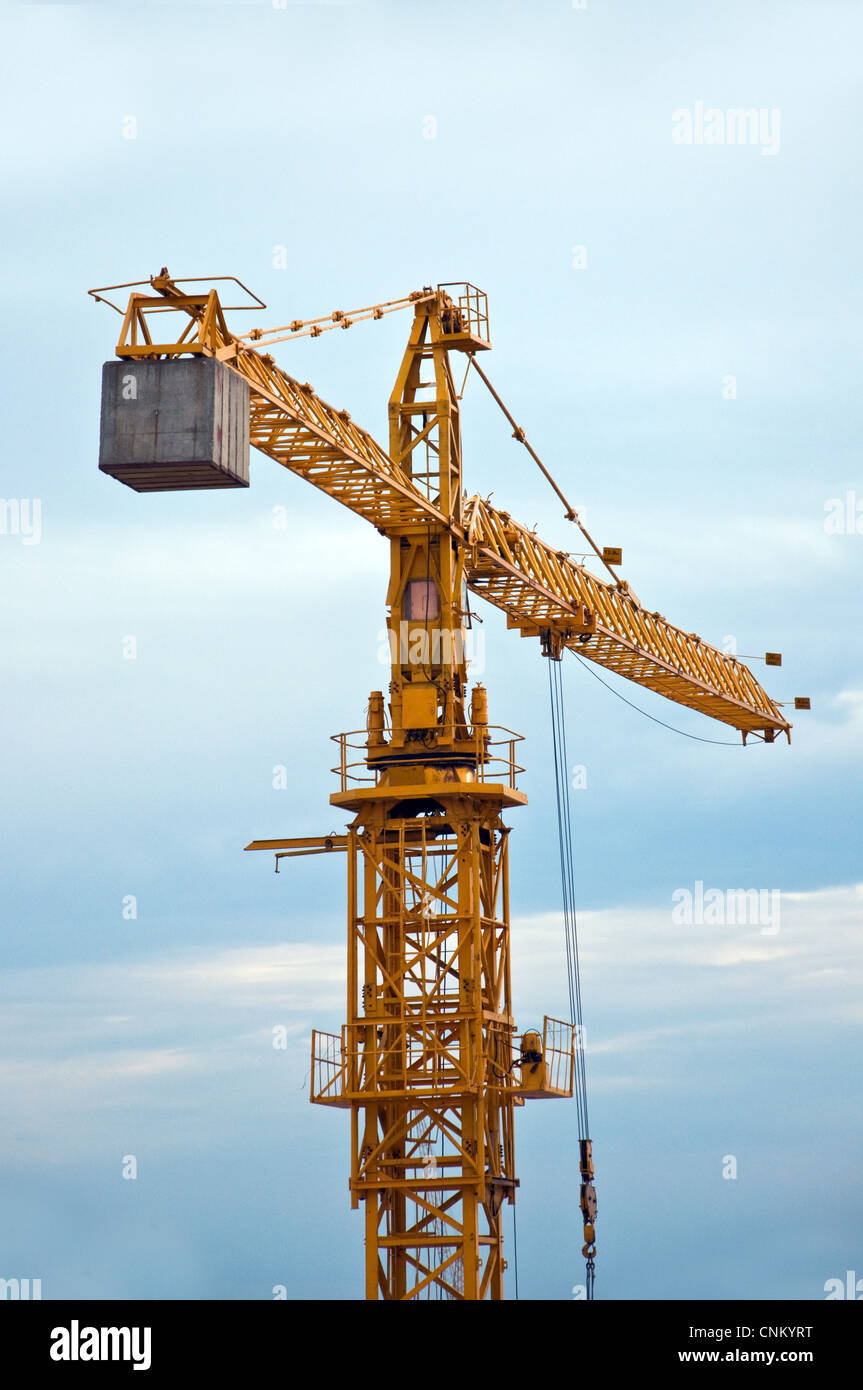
(429, 1062)
(305, 845)
(424, 1061)
(295, 848)
(313, 328)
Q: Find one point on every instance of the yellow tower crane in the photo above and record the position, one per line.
(430, 1062)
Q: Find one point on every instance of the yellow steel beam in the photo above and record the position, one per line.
(308, 845)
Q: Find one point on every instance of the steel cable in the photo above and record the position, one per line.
(570, 918)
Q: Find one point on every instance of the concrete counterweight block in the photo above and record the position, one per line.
(174, 425)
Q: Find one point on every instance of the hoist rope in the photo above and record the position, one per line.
(570, 917)
(567, 874)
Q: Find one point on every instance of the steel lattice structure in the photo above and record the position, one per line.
(430, 1063)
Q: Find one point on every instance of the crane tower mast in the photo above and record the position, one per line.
(429, 1044)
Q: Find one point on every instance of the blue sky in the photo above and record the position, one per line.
(305, 128)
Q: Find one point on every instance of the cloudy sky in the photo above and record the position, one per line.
(676, 326)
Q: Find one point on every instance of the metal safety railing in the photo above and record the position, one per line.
(409, 1058)
(551, 1071)
(385, 1055)
(472, 306)
(329, 1068)
(497, 766)
(558, 1047)
(347, 769)
(493, 758)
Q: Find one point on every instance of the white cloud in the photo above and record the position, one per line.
(163, 555)
(636, 957)
(72, 1068)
